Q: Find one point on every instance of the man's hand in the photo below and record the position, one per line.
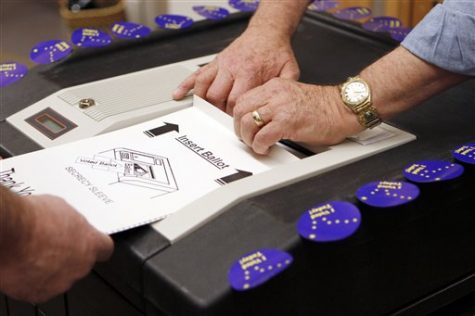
(317, 115)
(250, 61)
(295, 111)
(55, 247)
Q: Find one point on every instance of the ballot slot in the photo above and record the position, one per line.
(302, 150)
(4, 153)
(98, 107)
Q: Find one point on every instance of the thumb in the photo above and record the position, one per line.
(104, 247)
(290, 71)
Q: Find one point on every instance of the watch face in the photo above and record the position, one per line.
(356, 92)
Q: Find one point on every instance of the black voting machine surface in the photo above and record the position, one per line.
(413, 260)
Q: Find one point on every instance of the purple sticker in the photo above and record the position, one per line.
(211, 12)
(244, 5)
(323, 5)
(257, 267)
(387, 193)
(88, 37)
(11, 72)
(353, 13)
(173, 22)
(50, 51)
(399, 33)
(382, 23)
(465, 153)
(427, 171)
(331, 221)
(129, 30)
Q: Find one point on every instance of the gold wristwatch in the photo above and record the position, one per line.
(356, 95)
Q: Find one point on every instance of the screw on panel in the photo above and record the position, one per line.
(85, 103)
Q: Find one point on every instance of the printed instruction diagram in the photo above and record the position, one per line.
(136, 168)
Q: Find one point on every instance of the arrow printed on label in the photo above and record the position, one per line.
(168, 127)
(240, 174)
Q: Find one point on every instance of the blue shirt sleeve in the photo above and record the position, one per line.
(446, 37)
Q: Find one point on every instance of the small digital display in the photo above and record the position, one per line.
(51, 124)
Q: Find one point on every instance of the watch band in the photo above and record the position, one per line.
(368, 117)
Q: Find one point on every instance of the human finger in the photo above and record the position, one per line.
(185, 86)
(290, 71)
(246, 106)
(251, 123)
(267, 136)
(247, 129)
(205, 79)
(104, 247)
(241, 86)
(250, 101)
(219, 90)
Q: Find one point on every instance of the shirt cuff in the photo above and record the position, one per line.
(445, 38)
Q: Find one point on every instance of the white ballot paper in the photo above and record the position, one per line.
(141, 174)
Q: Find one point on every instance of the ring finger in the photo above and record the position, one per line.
(250, 125)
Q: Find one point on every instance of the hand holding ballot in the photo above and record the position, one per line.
(291, 110)
(45, 246)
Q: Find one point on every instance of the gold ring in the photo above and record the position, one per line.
(257, 119)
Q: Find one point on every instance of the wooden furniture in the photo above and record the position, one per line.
(100, 17)
(409, 11)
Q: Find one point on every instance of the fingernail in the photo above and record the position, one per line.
(177, 94)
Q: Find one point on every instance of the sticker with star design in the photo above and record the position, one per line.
(173, 21)
(353, 13)
(427, 171)
(258, 267)
(130, 30)
(50, 51)
(465, 153)
(323, 5)
(244, 5)
(387, 193)
(211, 12)
(11, 72)
(382, 24)
(89, 37)
(330, 221)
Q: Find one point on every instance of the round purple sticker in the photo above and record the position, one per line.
(382, 23)
(88, 37)
(244, 5)
(353, 13)
(211, 12)
(323, 5)
(257, 267)
(50, 51)
(465, 153)
(387, 193)
(399, 33)
(427, 171)
(129, 30)
(331, 221)
(173, 22)
(11, 72)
